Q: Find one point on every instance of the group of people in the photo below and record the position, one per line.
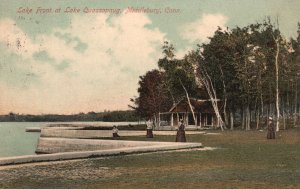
(180, 136)
(149, 133)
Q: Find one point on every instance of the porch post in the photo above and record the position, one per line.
(158, 119)
(196, 117)
(154, 121)
(200, 120)
(187, 119)
(172, 120)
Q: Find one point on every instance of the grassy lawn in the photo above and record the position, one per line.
(244, 159)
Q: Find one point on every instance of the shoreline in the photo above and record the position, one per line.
(159, 146)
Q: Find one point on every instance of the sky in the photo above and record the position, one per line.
(60, 60)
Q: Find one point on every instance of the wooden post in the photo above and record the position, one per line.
(187, 119)
(196, 120)
(200, 120)
(155, 119)
(172, 120)
(158, 119)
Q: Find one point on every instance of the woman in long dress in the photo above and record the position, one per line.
(149, 129)
(271, 129)
(180, 136)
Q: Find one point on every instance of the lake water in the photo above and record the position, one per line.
(14, 141)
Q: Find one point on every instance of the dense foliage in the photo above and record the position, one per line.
(153, 96)
(254, 70)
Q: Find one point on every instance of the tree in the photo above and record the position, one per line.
(179, 76)
(253, 69)
(294, 75)
(239, 65)
(218, 61)
(275, 50)
(202, 78)
(153, 96)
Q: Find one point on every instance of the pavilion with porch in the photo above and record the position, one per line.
(205, 116)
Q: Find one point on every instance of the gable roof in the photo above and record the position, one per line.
(198, 105)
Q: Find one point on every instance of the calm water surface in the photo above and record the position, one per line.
(14, 141)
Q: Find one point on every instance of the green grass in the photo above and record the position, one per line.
(244, 159)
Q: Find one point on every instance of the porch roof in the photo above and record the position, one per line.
(198, 105)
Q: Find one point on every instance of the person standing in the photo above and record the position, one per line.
(271, 129)
(149, 128)
(115, 132)
(180, 136)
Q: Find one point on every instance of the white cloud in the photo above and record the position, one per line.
(15, 39)
(203, 28)
(103, 76)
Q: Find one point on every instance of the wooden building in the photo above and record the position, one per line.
(203, 110)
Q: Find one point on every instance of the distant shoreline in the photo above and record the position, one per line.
(68, 121)
(107, 116)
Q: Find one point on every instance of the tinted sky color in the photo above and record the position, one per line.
(79, 62)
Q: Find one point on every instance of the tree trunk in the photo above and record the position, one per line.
(243, 117)
(231, 120)
(225, 98)
(206, 81)
(188, 99)
(248, 117)
(283, 115)
(277, 87)
(257, 115)
(298, 113)
(295, 109)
